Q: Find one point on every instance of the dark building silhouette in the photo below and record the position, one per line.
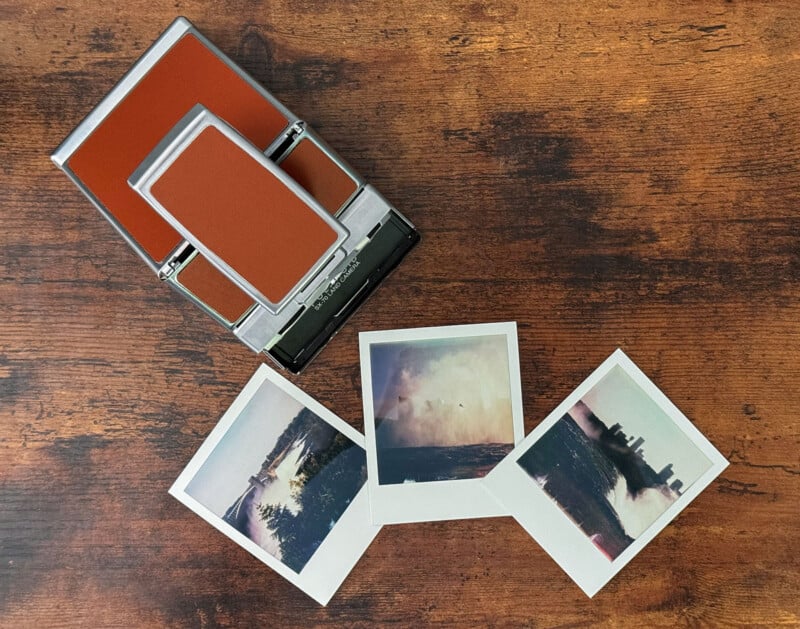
(665, 474)
(627, 454)
(616, 432)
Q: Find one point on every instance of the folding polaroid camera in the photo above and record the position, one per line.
(232, 200)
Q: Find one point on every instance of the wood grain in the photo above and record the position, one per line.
(606, 174)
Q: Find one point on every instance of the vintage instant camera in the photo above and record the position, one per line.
(234, 201)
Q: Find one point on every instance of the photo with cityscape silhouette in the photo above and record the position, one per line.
(614, 462)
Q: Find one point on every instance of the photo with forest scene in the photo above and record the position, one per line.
(282, 476)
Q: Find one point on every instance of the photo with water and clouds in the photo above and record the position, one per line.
(442, 407)
(614, 462)
(281, 475)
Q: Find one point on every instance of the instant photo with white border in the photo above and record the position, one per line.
(449, 398)
(346, 538)
(553, 482)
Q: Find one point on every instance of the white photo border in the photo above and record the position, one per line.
(437, 500)
(547, 523)
(349, 538)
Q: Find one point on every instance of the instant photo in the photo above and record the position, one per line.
(605, 472)
(442, 407)
(284, 478)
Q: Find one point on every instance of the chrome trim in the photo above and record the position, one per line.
(368, 210)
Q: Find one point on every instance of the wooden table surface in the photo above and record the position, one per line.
(607, 174)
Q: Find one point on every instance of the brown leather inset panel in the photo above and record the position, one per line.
(243, 213)
(189, 73)
(309, 166)
(210, 286)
